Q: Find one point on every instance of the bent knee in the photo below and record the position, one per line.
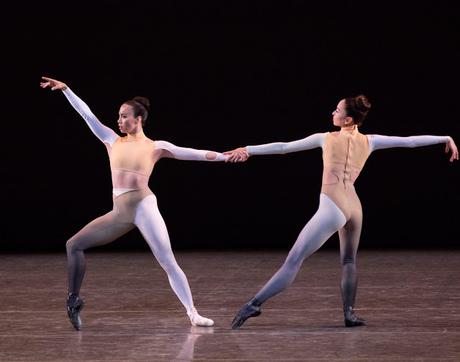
(72, 245)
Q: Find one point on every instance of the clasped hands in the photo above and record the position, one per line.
(237, 155)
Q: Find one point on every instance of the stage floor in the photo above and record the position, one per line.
(410, 299)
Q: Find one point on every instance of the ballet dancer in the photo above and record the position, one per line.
(132, 159)
(344, 155)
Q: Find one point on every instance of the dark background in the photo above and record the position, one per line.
(223, 74)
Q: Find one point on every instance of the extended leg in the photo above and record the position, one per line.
(326, 221)
(150, 222)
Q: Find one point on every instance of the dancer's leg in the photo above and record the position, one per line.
(349, 240)
(326, 221)
(150, 222)
(100, 231)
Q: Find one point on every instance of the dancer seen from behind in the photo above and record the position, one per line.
(344, 154)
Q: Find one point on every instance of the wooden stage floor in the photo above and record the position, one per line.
(411, 300)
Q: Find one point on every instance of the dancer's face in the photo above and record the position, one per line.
(339, 116)
(127, 123)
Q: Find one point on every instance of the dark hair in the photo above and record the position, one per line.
(357, 108)
(141, 107)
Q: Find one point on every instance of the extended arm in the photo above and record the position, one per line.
(378, 142)
(190, 154)
(104, 133)
(307, 143)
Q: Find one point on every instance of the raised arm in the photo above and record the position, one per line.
(104, 133)
(190, 154)
(307, 143)
(378, 142)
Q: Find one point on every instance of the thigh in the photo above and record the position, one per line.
(350, 235)
(100, 231)
(326, 221)
(152, 227)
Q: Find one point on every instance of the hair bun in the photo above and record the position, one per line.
(362, 103)
(144, 101)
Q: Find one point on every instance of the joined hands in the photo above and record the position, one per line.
(237, 155)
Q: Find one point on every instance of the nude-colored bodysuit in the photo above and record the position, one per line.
(344, 156)
(132, 162)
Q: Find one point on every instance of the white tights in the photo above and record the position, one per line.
(150, 223)
(326, 221)
(127, 214)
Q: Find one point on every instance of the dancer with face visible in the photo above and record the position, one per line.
(344, 155)
(132, 159)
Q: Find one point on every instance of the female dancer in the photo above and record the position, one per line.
(132, 159)
(344, 155)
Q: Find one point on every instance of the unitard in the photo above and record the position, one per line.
(132, 160)
(344, 155)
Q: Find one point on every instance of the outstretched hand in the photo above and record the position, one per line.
(237, 155)
(53, 83)
(451, 146)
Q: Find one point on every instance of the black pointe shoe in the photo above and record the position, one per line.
(250, 309)
(351, 320)
(74, 306)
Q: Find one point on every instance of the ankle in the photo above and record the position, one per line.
(255, 302)
(348, 311)
(192, 312)
(72, 296)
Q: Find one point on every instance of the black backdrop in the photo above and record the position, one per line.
(223, 74)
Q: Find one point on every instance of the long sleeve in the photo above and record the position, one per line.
(307, 143)
(190, 154)
(378, 142)
(104, 133)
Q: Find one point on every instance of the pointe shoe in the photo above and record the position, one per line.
(351, 320)
(249, 310)
(74, 306)
(198, 320)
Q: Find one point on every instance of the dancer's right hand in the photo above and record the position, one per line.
(53, 83)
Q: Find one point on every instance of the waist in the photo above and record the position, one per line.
(127, 179)
(333, 176)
